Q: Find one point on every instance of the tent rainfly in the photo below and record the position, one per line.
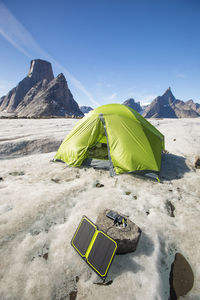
(117, 133)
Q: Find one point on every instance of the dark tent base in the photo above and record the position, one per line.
(101, 164)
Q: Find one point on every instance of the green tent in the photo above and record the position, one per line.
(117, 133)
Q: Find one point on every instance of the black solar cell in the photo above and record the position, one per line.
(96, 247)
(83, 236)
(101, 253)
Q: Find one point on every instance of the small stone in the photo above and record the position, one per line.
(104, 283)
(127, 193)
(174, 140)
(16, 173)
(99, 185)
(56, 180)
(45, 256)
(165, 151)
(1, 178)
(170, 208)
(135, 197)
(127, 238)
(181, 277)
(35, 232)
(73, 295)
(197, 163)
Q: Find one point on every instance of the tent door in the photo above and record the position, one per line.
(112, 170)
(99, 151)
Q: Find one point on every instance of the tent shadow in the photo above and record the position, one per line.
(173, 167)
(125, 262)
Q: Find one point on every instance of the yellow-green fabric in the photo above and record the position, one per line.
(132, 142)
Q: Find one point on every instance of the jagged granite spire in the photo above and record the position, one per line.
(51, 100)
(167, 106)
(160, 107)
(169, 95)
(40, 95)
(39, 70)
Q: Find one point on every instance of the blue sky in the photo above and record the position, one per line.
(109, 50)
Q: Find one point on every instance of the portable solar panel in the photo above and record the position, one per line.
(94, 246)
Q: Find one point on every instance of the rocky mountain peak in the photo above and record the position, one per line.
(61, 78)
(190, 102)
(167, 106)
(39, 70)
(131, 103)
(193, 105)
(169, 95)
(39, 95)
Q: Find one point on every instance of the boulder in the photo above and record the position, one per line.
(181, 277)
(127, 237)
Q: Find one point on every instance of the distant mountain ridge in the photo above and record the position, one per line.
(39, 95)
(167, 106)
(193, 105)
(85, 109)
(131, 103)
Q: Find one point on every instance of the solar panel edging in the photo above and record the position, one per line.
(72, 241)
(91, 245)
(104, 275)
